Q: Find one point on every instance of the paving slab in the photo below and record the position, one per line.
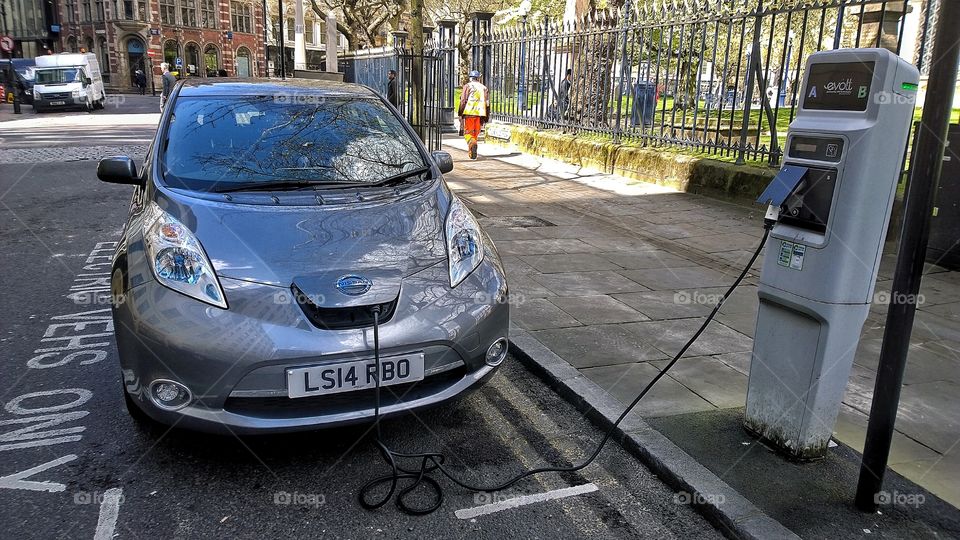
(587, 283)
(666, 398)
(659, 279)
(571, 262)
(540, 314)
(598, 309)
(710, 378)
(598, 345)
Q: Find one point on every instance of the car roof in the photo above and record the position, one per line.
(216, 86)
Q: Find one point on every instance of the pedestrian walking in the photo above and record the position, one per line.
(141, 79)
(392, 96)
(168, 83)
(474, 111)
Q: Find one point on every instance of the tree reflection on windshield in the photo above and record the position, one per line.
(215, 142)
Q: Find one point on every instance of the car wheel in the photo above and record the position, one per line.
(89, 105)
(98, 104)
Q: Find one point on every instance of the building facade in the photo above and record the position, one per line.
(199, 38)
(32, 24)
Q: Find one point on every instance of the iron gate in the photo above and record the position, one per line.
(424, 112)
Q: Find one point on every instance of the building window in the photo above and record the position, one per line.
(211, 60)
(170, 53)
(88, 45)
(70, 10)
(168, 12)
(188, 12)
(241, 17)
(128, 10)
(308, 35)
(85, 10)
(98, 12)
(208, 14)
(72, 44)
(291, 29)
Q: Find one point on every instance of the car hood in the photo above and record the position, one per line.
(313, 246)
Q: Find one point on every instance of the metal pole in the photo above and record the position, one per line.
(924, 175)
(748, 97)
(282, 48)
(266, 43)
(521, 83)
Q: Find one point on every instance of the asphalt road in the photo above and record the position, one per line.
(72, 460)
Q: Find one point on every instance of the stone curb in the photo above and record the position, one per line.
(729, 511)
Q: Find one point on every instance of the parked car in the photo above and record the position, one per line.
(22, 74)
(68, 80)
(269, 221)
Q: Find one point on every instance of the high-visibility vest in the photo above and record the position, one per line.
(475, 94)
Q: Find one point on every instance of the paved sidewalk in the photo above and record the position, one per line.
(614, 275)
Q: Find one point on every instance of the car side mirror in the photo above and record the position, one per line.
(87, 81)
(118, 170)
(443, 160)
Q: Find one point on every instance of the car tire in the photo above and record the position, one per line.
(89, 106)
(98, 104)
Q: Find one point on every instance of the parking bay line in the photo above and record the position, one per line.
(109, 510)
(470, 513)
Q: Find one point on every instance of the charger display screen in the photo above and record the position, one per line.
(843, 86)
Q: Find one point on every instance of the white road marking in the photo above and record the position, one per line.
(109, 510)
(470, 513)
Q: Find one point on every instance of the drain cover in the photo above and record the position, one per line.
(514, 221)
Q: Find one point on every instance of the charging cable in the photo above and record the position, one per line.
(430, 462)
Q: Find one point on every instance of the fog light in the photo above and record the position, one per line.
(496, 352)
(169, 395)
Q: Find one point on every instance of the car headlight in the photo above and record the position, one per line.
(464, 246)
(178, 260)
(36, 94)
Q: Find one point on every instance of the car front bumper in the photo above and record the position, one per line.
(234, 361)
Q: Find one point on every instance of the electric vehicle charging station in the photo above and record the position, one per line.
(835, 193)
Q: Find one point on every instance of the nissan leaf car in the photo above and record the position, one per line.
(272, 225)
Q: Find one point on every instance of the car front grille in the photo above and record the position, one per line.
(342, 318)
(56, 95)
(344, 402)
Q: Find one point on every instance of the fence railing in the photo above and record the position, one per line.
(421, 105)
(715, 76)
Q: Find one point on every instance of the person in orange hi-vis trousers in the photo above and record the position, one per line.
(474, 108)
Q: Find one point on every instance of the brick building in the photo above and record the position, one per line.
(205, 35)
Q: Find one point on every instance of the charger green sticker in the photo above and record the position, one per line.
(791, 255)
(786, 253)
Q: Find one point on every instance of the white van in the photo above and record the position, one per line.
(68, 80)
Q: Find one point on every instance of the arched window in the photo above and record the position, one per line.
(243, 62)
(191, 58)
(88, 45)
(211, 60)
(136, 59)
(170, 53)
(72, 44)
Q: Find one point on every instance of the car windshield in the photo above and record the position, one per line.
(26, 72)
(57, 76)
(222, 143)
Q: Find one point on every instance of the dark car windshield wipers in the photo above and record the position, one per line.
(284, 185)
(399, 178)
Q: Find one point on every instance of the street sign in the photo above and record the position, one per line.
(151, 54)
(6, 43)
(178, 61)
(229, 35)
(154, 31)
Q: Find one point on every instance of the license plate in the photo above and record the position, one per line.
(58, 102)
(354, 375)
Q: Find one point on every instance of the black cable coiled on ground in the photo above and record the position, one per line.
(430, 462)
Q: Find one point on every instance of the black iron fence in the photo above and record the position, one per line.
(715, 76)
(428, 107)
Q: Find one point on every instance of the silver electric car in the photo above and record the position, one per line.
(270, 223)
